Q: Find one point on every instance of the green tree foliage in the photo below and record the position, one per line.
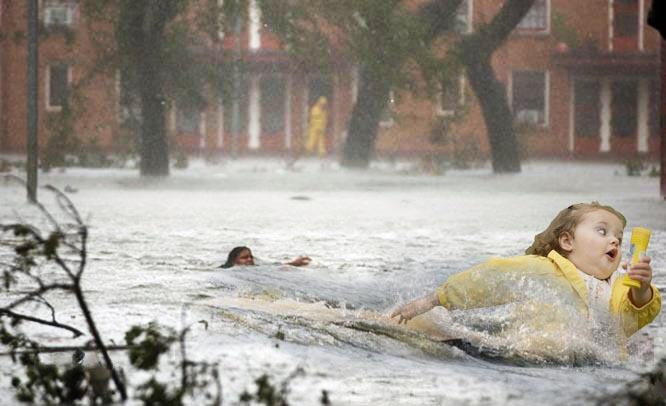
(164, 51)
(389, 43)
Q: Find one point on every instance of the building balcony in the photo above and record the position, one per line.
(589, 59)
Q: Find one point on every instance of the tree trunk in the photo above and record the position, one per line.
(154, 148)
(496, 114)
(372, 98)
(476, 54)
(373, 93)
(140, 33)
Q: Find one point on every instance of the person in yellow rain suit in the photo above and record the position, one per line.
(317, 127)
(565, 284)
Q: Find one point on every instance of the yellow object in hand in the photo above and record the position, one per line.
(640, 237)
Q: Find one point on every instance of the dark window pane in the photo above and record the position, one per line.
(450, 95)
(529, 97)
(386, 117)
(625, 18)
(654, 108)
(536, 18)
(273, 92)
(188, 120)
(462, 17)
(319, 86)
(587, 108)
(228, 103)
(58, 85)
(624, 108)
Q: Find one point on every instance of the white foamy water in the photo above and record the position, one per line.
(378, 239)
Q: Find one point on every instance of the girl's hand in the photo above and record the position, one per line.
(299, 261)
(642, 272)
(414, 308)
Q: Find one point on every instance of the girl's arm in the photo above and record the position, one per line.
(299, 261)
(416, 307)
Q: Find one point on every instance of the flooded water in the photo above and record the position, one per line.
(378, 239)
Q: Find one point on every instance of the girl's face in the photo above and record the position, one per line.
(595, 246)
(244, 258)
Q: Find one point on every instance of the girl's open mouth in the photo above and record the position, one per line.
(612, 253)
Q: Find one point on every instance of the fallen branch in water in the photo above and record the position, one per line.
(59, 247)
(64, 348)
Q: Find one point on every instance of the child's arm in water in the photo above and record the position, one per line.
(299, 261)
(641, 271)
(416, 307)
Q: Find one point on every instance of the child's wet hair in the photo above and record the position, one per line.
(566, 221)
(233, 254)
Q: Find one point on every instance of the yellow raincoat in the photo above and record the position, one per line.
(550, 301)
(317, 127)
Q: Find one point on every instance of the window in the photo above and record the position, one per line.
(463, 23)
(243, 102)
(452, 96)
(58, 12)
(655, 106)
(273, 93)
(625, 19)
(529, 97)
(624, 108)
(188, 120)
(587, 107)
(625, 25)
(537, 18)
(57, 86)
(386, 118)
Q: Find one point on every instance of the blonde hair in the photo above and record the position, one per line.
(565, 222)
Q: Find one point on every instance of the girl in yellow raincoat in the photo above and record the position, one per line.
(317, 127)
(565, 284)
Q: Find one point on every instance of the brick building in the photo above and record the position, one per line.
(582, 80)
(66, 60)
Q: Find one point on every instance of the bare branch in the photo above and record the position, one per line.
(65, 204)
(18, 316)
(47, 304)
(43, 289)
(64, 348)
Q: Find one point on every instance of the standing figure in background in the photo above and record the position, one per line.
(317, 127)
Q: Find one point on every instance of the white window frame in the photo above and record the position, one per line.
(284, 79)
(254, 30)
(538, 32)
(640, 35)
(178, 117)
(50, 6)
(390, 106)
(546, 95)
(441, 111)
(470, 14)
(47, 92)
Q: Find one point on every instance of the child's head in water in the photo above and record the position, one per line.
(588, 234)
(239, 256)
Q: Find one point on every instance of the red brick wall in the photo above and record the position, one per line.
(522, 51)
(97, 107)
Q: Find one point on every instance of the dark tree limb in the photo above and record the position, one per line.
(64, 348)
(30, 296)
(475, 53)
(18, 316)
(29, 244)
(374, 88)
